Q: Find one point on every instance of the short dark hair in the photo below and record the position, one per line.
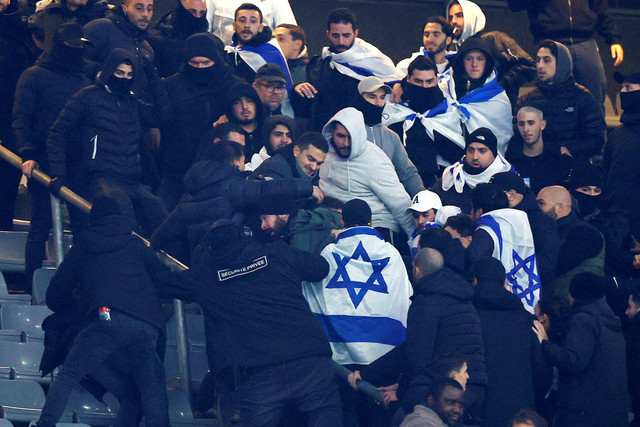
(422, 63)
(527, 416)
(312, 138)
(489, 197)
(224, 151)
(447, 28)
(549, 44)
(433, 237)
(556, 308)
(332, 203)
(247, 6)
(463, 224)
(444, 365)
(297, 32)
(438, 387)
(342, 15)
(223, 130)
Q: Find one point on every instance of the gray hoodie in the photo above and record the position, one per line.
(366, 174)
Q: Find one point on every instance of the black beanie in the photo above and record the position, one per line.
(103, 206)
(586, 287)
(584, 175)
(201, 44)
(489, 270)
(483, 136)
(356, 212)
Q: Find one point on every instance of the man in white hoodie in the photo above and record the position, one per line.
(357, 168)
(466, 18)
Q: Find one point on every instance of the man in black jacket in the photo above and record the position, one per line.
(243, 107)
(543, 227)
(169, 34)
(106, 118)
(122, 313)
(277, 132)
(279, 358)
(574, 119)
(41, 94)
(196, 94)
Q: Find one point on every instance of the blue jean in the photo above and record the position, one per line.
(309, 384)
(127, 343)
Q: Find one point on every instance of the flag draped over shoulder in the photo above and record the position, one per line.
(363, 60)
(513, 246)
(363, 302)
(455, 176)
(487, 106)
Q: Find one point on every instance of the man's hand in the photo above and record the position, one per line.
(335, 233)
(396, 94)
(28, 167)
(153, 138)
(617, 53)
(354, 377)
(306, 90)
(565, 150)
(318, 194)
(389, 394)
(539, 330)
(636, 262)
(223, 119)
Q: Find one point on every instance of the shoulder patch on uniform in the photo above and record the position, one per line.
(256, 264)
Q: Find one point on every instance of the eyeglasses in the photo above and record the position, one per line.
(273, 88)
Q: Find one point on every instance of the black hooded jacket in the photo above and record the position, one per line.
(464, 85)
(41, 94)
(282, 164)
(253, 140)
(516, 370)
(574, 118)
(241, 68)
(592, 387)
(90, 267)
(108, 128)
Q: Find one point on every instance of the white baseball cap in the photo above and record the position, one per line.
(425, 200)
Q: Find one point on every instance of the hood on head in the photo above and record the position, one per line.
(473, 43)
(203, 44)
(564, 64)
(115, 58)
(353, 121)
(239, 90)
(474, 19)
(270, 123)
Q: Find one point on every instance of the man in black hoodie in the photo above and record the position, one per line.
(574, 118)
(242, 106)
(106, 118)
(41, 93)
(169, 34)
(122, 313)
(196, 95)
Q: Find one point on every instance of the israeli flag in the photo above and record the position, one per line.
(403, 66)
(363, 60)
(487, 106)
(363, 302)
(513, 246)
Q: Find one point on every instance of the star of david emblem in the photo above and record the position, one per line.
(527, 264)
(358, 290)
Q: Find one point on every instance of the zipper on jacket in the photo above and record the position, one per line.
(570, 22)
(94, 140)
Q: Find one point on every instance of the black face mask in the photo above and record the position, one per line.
(372, 113)
(119, 86)
(189, 24)
(202, 76)
(421, 99)
(587, 204)
(630, 101)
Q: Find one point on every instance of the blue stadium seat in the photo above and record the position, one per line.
(21, 401)
(41, 279)
(26, 318)
(5, 423)
(13, 335)
(21, 360)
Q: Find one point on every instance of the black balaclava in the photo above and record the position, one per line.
(584, 175)
(120, 87)
(186, 23)
(630, 101)
(372, 113)
(421, 99)
(203, 44)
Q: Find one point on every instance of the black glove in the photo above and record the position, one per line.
(56, 184)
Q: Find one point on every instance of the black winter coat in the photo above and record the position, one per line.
(41, 94)
(632, 338)
(592, 387)
(579, 241)
(111, 268)
(217, 191)
(252, 294)
(452, 197)
(516, 369)
(239, 66)
(282, 164)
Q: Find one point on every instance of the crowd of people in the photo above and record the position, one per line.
(459, 229)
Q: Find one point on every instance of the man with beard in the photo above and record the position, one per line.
(196, 95)
(271, 85)
(445, 406)
(467, 20)
(428, 126)
(437, 35)
(480, 162)
(581, 245)
(243, 107)
(332, 79)
(169, 34)
(41, 93)
(277, 132)
(354, 167)
(372, 104)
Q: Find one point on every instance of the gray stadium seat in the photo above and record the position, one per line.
(179, 408)
(41, 279)
(12, 251)
(195, 331)
(21, 360)
(85, 408)
(5, 297)
(33, 423)
(5, 423)
(13, 335)
(21, 401)
(26, 318)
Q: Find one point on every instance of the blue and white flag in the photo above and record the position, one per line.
(363, 60)
(442, 118)
(403, 66)
(487, 106)
(513, 246)
(455, 176)
(363, 302)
